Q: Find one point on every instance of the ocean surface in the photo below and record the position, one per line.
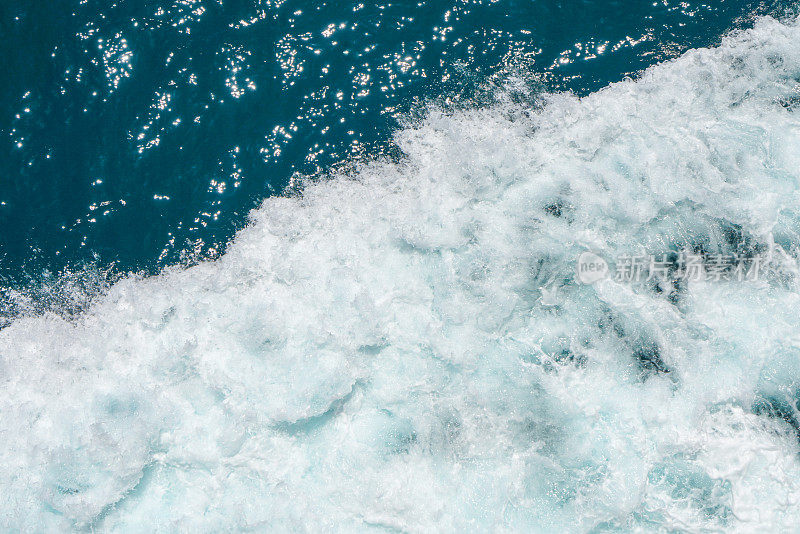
(283, 266)
(139, 134)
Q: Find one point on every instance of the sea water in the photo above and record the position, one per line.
(404, 346)
(135, 135)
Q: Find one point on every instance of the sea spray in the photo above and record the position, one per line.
(407, 347)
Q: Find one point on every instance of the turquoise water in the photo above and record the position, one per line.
(141, 134)
(404, 340)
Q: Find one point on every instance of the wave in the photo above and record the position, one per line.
(405, 347)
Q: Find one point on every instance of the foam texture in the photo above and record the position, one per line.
(405, 348)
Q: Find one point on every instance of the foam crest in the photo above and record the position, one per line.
(405, 347)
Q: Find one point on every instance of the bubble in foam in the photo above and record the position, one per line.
(406, 347)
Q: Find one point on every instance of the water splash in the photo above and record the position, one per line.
(405, 347)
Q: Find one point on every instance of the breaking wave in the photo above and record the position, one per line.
(405, 347)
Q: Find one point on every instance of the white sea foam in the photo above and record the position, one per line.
(405, 348)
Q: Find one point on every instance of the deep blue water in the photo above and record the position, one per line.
(140, 133)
